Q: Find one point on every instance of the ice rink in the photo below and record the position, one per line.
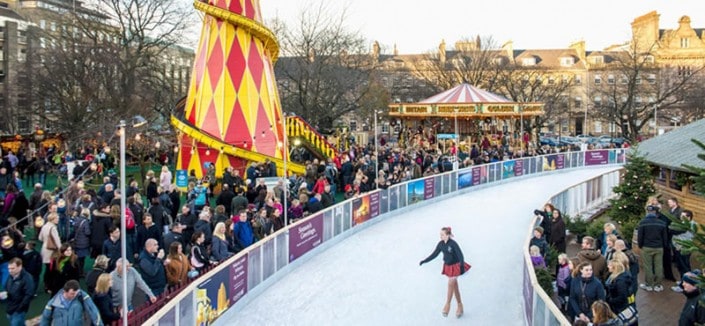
(373, 277)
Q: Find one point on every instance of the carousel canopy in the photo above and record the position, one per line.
(465, 101)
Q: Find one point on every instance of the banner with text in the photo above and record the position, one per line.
(212, 298)
(553, 162)
(596, 157)
(238, 279)
(374, 204)
(428, 188)
(305, 236)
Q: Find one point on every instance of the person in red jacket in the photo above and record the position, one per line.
(454, 265)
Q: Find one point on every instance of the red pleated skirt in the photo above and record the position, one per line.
(454, 270)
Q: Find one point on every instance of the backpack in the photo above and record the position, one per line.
(129, 219)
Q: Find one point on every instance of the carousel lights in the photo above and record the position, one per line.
(138, 137)
(176, 149)
(208, 152)
(157, 145)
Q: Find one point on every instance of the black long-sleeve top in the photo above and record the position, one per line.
(451, 253)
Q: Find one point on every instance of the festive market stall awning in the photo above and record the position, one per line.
(465, 101)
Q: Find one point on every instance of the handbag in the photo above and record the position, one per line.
(194, 261)
(50, 242)
(629, 316)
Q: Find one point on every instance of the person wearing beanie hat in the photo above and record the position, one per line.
(539, 241)
(692, 312)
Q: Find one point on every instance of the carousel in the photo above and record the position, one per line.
(466, 113)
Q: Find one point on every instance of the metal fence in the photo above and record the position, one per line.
(245, 275)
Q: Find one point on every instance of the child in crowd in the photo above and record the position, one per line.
(536, 258)
(563, 280)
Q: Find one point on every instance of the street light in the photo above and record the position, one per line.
(135, 122)
(456, 164)
(285, 152)
(376, 154)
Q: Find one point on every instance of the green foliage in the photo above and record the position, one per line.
(626, 230)
(634, 191)
(596, 227)
(545, 279)
(551, 258)
(575, 225)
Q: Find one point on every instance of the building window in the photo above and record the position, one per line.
(564, 79)
(623, 79)
(598, 79)
(551, 80)
(649, 59)
(598, 126)
(685, 42)
(53, 26)
(638, 79)
(610, 79)
(528, 61)
(578, 101)
(42, 24)
(684, 71)
(578, 79)
(567, 61)
(353, 125)
(598, 100)
(598, 60)
(651, 78)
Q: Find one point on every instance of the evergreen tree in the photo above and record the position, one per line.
(699, 177)
(634, 191)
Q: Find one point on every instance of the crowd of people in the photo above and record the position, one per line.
(599, 284)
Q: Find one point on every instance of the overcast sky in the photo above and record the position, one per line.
(419, 26)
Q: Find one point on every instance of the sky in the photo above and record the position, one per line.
(418, 27)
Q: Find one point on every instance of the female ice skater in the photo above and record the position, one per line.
(453, 266)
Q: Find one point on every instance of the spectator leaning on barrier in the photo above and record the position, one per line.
(133, 279)
(152, 267)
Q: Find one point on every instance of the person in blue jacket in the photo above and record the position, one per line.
(584, 290)
(243, 235)
(68, 307)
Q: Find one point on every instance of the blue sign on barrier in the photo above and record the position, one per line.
(181, 179)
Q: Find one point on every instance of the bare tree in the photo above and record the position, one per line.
(327, 70)
(531, 84)
(472, 61)
(630, 87)
(109, 65)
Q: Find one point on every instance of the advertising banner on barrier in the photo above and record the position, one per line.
(596, 157)
(528, 292)
(428, 188)
(305, 236)
(479, 175)
(238, 279)
(518, 168)
(508, 169)
(212, 298)
(186, 309)
(361, 209)
(383, 201)
(465, 179)
(415, 191)
(617, 156)
(393, 198)
(374, 205)
(553, 162)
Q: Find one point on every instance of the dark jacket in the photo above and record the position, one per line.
(558, 234)
(451, 254)
(219, 249)
(152, 271)
(205, 227)
(692, 311)
(618, 291)
(545, 223)
(652, 232)
(92, 279)
(226, 198)
(100, 226)
(238, 203)
(83, 233)
(113, 251)
(105, 307)
(583, 293)
(160, 216)
(541, 243)
(243, 235)
(20, 292)
(172, 237)
(144, 233)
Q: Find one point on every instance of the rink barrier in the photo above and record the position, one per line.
(238, 280)
(539, 307)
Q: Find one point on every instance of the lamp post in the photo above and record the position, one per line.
(521, 126)
(376, 154)
(285, 152)
(137, 121)
(456, 164)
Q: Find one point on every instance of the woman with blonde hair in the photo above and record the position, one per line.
(617, 286)
(49, 236)
(603, 316)
(219, 244)
(165, 177)
(177, 265)
(102, 297)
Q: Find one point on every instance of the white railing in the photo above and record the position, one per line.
(242, 277)
(539, 308)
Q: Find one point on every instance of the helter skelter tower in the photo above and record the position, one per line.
(232, 114)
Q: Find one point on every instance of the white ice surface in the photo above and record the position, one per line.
(373, 277)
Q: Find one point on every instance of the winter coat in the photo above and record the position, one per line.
(100, 230)
(541, 243)
(56, 314)
(618, 291)
(105, 306)
(205, 227)
(160, 216)
(49, 230)
(692, 311)
(83, 233)
(113, 251)
(20, 292)
(652, 232)
(144, 233)
(243, 235)
(599, 266)
(583, 292)
(152, 270)
(558, 234)
(92, 279)
(219, 250)
(177, 270)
